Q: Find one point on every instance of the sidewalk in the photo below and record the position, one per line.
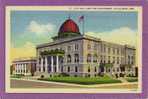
(70, 84)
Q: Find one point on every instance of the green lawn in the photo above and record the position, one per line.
(83, 80)
(132, 79)
(16, 76)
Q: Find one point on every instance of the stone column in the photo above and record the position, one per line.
(46, 64)
(22, 68)
(57, 63)
(37, 65)
(41, 64)
(52, 64)
(25, 69)
(16, 69)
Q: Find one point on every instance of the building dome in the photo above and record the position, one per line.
(69, 27)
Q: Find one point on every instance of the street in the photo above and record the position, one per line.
(15, 83)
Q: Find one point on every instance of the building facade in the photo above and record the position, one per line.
(75, 54)
(24, 66)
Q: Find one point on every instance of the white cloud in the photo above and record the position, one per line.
(27, 50)
(123, 35)
(40, 29)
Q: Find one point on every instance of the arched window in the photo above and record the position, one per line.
(89, 58)
(68, 58)
(76, 58)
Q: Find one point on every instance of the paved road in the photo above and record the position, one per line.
(33, 84)
(37, 84)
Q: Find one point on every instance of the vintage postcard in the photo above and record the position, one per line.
(73, 49)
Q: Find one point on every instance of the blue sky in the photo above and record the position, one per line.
(96, 22)
(30, 28)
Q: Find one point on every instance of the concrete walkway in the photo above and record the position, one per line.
(75, 85)
(123, 80)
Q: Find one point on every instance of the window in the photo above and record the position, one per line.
(113, 59)
(61, 59)
(44, 60)
(109, 70)
(69, 48)
(95, 46)
(108, 59)
(113, 50)
(68, 70)
(76, 47)
(108, 50)
(39, 60)
(44, 68)
(132, 60)
(88, 46)
(95, 58)
(117, 60)
(76, 69)
(89, 58)
(76, 58)
(104, 49)
(88, 69)
(128, 59)
(101, 48)
(117, 51)
(104, 59)
(61, 68)
(68, 58)
(95, 69)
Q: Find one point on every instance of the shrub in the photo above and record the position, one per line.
(64, 74)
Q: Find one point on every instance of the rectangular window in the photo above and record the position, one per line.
(69, 48)
(118, 51)
(113, 59)
(95, 46)
(88, 46)
(108, 59)
(109, 50)
(117, 60)
(113, 50)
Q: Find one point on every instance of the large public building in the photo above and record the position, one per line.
(77, 54)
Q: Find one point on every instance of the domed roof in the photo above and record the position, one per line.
(69, 26)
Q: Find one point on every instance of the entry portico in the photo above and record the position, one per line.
(49, 61)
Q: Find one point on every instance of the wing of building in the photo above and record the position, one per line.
(24, 66)
(75, 54)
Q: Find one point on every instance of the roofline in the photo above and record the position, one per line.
(23, 59)
(59, 41)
